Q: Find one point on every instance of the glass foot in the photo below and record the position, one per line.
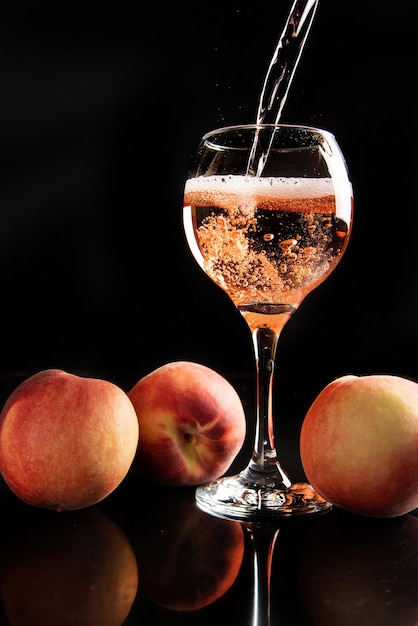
(237, 497)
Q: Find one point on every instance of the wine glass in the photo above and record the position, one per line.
(267, 216)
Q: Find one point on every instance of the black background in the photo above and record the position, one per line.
(103, 105)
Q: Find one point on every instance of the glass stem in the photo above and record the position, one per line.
(264, 459)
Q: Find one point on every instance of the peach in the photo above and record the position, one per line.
(191, 421)
(66, 441)
(359, 444)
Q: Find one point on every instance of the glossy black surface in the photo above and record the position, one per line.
(148, 555)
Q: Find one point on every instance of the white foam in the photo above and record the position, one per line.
(267, 187)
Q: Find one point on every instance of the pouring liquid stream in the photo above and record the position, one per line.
(280, 74)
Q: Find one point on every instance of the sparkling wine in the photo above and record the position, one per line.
(266, 242)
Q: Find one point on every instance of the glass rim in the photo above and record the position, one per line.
(257, 126)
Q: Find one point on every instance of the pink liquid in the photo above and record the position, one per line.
(266, 242)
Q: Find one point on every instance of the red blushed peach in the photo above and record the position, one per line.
(359, 444)
(191, 421)
(66, 441)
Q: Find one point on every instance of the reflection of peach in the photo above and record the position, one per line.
(361, 571)
(187, 558)
(76, 569)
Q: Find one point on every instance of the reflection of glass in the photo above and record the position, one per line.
(339, 570)
(263, 541)
(267, 236)
(275, 552)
